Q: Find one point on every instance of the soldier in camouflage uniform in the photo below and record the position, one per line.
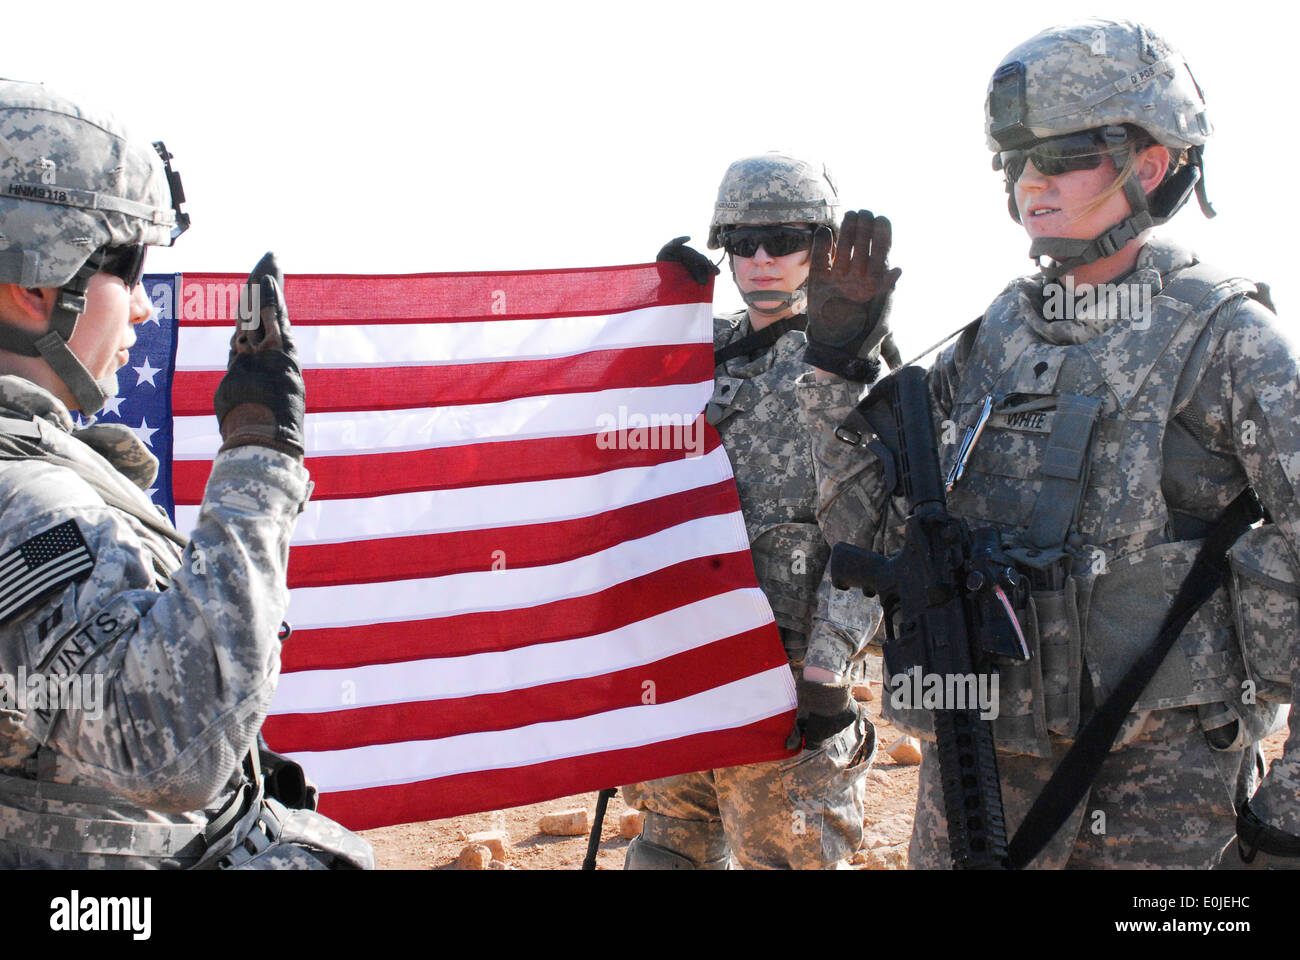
(99, 591)
(804, 812)
(1116, 433)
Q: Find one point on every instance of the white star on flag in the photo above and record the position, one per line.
(146, 373)
(145, 432)
(111, 405)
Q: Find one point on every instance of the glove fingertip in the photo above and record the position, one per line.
(821, 247)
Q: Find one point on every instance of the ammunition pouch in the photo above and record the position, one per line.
(1038, 697)
(1107, 621)
(1265, 595)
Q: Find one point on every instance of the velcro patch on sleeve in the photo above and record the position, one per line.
(43, 563)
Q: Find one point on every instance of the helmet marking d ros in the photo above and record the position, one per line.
(773, 188)
(1098, 75)
(72, 187)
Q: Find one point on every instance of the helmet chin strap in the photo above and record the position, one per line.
(52, 346)
(1167, 199)
(1065, 254)
(796, 302)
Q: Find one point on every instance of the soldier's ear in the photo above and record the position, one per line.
(27, 307)
(1150, 166)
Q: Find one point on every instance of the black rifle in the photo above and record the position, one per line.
(946, 611)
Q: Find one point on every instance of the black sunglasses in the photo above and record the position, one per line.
(1074, 151)
(777, 241)
(125, 263)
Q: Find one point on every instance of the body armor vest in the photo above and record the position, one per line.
(82, 820)
(757, 416)
(61, 812)
(86, 454)
(1069, 467)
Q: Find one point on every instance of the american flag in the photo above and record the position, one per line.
(523, 573)
(46, 560)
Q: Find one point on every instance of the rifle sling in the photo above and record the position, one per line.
(760, 339)
(1073, 777)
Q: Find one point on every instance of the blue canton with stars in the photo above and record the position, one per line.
(144, 385)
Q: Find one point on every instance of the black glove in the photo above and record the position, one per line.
(699, 266)
(848, 300)
(262, 398)
(824, 710)
(1259, 846)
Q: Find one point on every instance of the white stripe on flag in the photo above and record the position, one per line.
(645, 641)
(514, 588)
(735, 704)
(553, 415)
(504, 504)
(417, 344)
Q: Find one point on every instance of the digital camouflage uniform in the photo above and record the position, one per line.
(189, 656)
(1119, 431)
(1191, 407)
(96, 588)
(804, 812)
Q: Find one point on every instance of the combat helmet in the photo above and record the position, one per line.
(1098, 75)
(773, 188)
(74, 190)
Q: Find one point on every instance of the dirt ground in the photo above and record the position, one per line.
(436, 844)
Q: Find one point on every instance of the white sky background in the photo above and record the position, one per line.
(387, 137)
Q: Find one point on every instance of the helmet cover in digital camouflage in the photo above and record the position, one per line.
(71, 184)
(773, 188)
(1093, 74)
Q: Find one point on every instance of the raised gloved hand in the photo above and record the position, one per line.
(699, 266)
(1259, 846)
(262, 399)
(824, 709)
(848, 300)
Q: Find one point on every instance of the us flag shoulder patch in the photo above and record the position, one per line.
(48, 560)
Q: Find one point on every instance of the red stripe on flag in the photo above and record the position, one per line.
(681, 675)
(482, 632)
(526, 545)
(463, 465)
(333, 390)
(315, 299)
(464, 793)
